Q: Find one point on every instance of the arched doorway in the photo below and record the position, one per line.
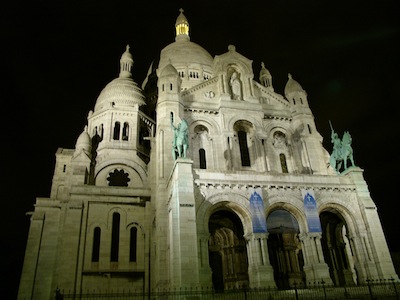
(284, 249)
(227, 251)
(337, 249)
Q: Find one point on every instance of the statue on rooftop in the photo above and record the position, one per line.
(180, 144)
(342, 150)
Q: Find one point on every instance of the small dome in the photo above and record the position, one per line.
(169, 70)
(264, 71)
(84, 142)
(292, 86)
(121, 91)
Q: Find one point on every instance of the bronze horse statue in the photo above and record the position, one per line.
(180, 144)
(342, 151)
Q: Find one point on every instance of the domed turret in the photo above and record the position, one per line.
(83, 143)
(168, 70)
(295, 94)
(265, 77)
(122, 91)
(292, 86)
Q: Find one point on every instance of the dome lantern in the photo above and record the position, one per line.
(182, 27)
(126, 63)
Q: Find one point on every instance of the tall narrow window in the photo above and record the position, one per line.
(125, 132)
(115, 237)
(96, 245)
(117, 128)
(309, 128)
(282, 158)
(133, 245)
(203, 162)
(244, 150)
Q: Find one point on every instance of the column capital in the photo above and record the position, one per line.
(255, 236)
(304, 235)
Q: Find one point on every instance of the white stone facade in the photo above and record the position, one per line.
(123, 214)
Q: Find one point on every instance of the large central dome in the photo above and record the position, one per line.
(185, 54)
(193, 62)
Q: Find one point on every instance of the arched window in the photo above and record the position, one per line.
(244, 150)
(117, 128)
(202, 155)
(125, 131)
(133, 244)
(282, 158)
(115, 237)
(96, 244)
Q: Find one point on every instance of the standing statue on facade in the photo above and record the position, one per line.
(180, 144)
(236, 86)
(342, 150)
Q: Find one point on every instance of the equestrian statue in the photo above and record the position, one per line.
(180, 144)
(342, 150)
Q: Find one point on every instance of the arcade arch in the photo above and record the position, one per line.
(227, 251)
(284, 247)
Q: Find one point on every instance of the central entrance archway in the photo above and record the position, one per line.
(227, 251)
(284, 249)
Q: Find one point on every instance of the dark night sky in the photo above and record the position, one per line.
(57, 57)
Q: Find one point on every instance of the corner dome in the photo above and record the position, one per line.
(83, 143)
(121, 91)
(292, 86)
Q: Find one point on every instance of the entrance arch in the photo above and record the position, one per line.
(337, 248)
(227, 251)
(284, 249)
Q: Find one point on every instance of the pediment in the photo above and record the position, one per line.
(270, 98)
(205, 92)
(224, 61)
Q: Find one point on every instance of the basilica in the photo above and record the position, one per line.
(201, 176)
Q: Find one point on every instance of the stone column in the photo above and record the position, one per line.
(315, 267)
(261, 273)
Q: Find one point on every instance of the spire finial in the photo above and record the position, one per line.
(262, 64)
(181, 10)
